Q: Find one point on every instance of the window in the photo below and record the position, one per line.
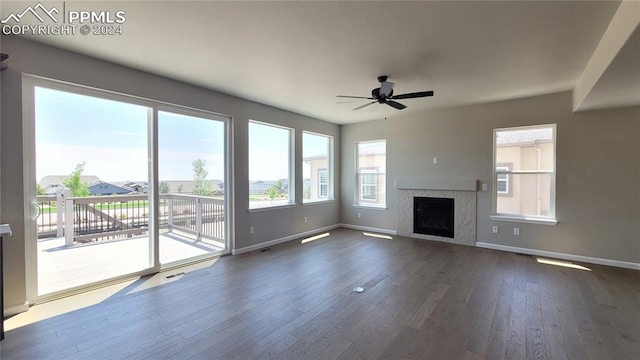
(270, 167)
(317, 154)
(369, 185)
(502, 180)
(323, 190)
(524, 174)
(371, 173)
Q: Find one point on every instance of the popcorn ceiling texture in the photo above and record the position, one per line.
(464, 214)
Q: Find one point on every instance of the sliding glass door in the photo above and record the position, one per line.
(91, 204)
(191, 159)
(118, 186)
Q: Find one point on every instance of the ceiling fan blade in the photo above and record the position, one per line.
(413, 95)
(365, 105)
(395, 104)
(354, 97)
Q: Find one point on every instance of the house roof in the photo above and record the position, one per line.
(299, 55)
(59, 179)
(95, 188)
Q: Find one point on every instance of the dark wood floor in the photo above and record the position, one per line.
(423, 299)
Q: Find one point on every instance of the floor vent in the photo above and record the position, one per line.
(174, 275)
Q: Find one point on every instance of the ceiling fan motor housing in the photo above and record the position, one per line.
(381, 98)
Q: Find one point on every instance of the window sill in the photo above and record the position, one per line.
(323, 201)
(372, 207)
(274, 207)
(528, 220)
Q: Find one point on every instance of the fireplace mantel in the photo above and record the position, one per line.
(437, 183)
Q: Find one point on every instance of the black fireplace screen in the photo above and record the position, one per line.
(433, 216)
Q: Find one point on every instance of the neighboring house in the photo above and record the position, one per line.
(52, 189)
(51, 183)
(318, 185)
(189, 186)
(261, 187)
(105, 188)
(371, 177)
(141, 187)
(524, 194)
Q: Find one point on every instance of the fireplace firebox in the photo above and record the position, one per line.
(433, 216)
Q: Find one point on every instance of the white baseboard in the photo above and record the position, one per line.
(281, 240)
(16, 309)
(369, 229)
(563, 256)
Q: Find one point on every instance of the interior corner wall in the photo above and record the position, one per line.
(597, 180)
(37, 59)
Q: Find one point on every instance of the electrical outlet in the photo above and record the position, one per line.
(516, 231)
(359, 215)
(484, 187)
(306, 219)
(495, 229)
(251, 230)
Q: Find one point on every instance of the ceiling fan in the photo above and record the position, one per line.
(384, 95)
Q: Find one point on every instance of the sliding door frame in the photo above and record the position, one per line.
(228, 178)
(29, 83)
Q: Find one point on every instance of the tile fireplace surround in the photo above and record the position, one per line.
(463, 191)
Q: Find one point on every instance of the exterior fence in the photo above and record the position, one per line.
(101, 218)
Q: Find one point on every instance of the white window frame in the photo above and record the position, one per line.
(360, 200)
(500, 169)
(329, 169)
(323, 184)
(291, 189)
(364, 196)
(550, 219)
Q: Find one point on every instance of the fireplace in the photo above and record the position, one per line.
(461, 193)
(433, 216)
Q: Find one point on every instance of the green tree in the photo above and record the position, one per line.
(75, 184)
(39, 190)
(203, 187)
(273, 192)
(164, 187)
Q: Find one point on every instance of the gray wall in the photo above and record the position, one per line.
(598, 160)
(37, 59)
(598, 170)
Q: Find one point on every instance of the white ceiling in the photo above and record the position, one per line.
(299, 55)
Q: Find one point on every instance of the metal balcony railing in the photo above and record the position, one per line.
(101, 218)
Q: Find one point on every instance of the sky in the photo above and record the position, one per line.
(111, 137)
